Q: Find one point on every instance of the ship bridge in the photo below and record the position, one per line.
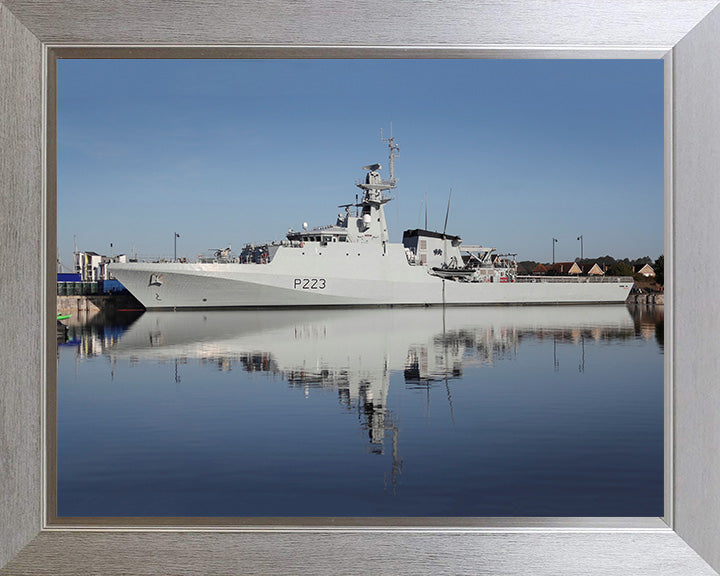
(322, 234)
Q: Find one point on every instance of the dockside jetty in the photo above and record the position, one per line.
(94, 297)
(647, 299)
(97, 303)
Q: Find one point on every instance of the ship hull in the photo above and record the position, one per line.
(342, 274)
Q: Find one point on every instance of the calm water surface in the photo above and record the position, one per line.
(502, 411)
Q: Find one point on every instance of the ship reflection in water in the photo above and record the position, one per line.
(464, 412)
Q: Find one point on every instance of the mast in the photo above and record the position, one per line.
(393, 149)
(373, 216)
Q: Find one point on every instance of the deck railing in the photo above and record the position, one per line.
(578, 279)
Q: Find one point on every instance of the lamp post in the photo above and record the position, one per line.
(175, 237)
(581, 245)
(554, 240)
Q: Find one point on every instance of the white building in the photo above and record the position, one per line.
(647, 271)
(93, 266)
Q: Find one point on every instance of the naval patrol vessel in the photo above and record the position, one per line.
(353, 263)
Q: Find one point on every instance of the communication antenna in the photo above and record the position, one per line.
(393, 149)
(426, 210)
(447, 213)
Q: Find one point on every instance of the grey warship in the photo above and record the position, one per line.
(353, 263)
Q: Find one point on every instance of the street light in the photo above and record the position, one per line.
(581, 245)
(554, 240)
(175, 237)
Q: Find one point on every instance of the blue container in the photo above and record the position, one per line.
(62, 277)
(112, 286)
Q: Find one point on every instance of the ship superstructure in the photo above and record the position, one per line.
(353, 263)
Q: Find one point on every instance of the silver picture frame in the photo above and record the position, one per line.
(685, 33)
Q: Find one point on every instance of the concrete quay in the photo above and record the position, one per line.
(96, 303)
(647, 299)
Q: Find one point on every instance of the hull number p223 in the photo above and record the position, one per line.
(309, 283)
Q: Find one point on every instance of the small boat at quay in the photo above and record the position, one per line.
(353, 263)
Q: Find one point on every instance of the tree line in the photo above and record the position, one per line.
(611, 266)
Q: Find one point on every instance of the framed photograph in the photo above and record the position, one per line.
(684, 35)
(378, 359)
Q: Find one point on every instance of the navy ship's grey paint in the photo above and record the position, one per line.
(353, 263)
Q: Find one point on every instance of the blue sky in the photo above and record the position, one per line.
(235, 151)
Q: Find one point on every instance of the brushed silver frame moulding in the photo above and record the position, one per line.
(685, 33)
(52, 54)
